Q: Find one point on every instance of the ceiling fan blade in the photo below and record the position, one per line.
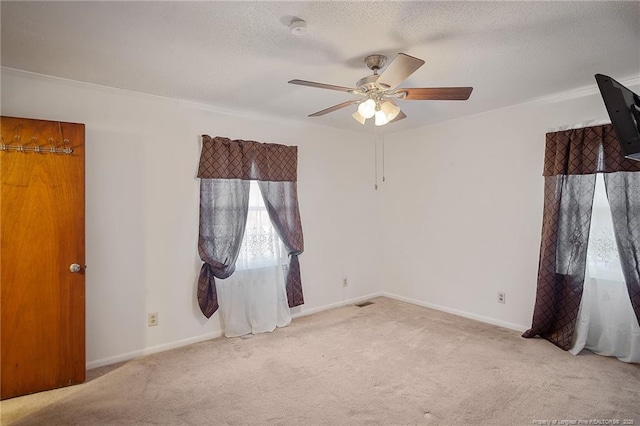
(399, 117)
(334, 108)
(435, 93)
(321, 85)
(399, 69)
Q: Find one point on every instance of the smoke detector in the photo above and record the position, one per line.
(298, 27)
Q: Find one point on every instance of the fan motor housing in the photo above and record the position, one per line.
(370, 82)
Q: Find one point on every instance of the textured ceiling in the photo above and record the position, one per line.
(240, 55)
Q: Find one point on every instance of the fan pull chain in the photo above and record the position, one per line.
(383, 158)
(375, 161)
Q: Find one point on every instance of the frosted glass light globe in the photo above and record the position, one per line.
(367, 109)
(359, 118)
(381, 118)
(390, 110)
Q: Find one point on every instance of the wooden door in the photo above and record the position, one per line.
(42, 230)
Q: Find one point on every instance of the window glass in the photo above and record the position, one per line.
(261, 245)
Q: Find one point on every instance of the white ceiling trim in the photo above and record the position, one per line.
(147, 96)
(567, 95)
(589, 90)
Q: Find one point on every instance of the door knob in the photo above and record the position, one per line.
(75, 268)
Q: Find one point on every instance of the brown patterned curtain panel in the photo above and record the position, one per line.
(226, 166)
(572, 159)
(281, 200)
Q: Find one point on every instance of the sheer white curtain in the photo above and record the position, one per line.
(606, 323)
(254, 299)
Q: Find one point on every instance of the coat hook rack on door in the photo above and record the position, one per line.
(33, 146)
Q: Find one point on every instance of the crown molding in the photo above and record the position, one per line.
(591, 89)
(186, 103)
(29, 75)
(583, 91)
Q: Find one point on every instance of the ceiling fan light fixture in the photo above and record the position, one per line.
(367, 109)
(381, 118)
(359, 118)
(378, 91)
(390, 110)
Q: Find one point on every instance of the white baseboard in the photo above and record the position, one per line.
(481, 318)
(152, 350)
(184, 342)
(196, 339)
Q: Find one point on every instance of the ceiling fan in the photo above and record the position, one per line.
(378, 92)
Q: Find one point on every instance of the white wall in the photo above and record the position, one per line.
(457, 220)
(142, 208)
(462, 208)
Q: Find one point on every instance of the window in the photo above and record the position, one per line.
(254, 298)
(606, 324)
(261, 247)
(603, 260)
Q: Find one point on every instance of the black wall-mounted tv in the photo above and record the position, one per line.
(623, 107)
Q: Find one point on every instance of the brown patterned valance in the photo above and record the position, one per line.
(585, 151)
(223, 158)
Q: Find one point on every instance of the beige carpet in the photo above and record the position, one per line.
(389, 363)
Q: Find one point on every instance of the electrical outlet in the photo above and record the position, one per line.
(345, 283)
(502, 297)
(152, 319)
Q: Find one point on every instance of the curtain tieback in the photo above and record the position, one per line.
(294, 282)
